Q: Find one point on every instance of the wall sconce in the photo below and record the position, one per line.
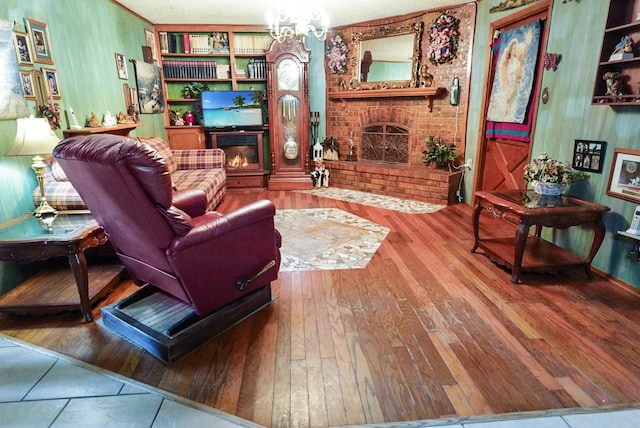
(34, 137)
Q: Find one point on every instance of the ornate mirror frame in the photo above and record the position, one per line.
(415, 28)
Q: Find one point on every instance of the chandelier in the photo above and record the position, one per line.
(297, 20)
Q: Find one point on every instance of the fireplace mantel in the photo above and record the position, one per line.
(428, 93)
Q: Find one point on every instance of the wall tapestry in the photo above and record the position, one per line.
(150, 97)
(514, 74)
(12, 102)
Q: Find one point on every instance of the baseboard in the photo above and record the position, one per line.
(168, 328)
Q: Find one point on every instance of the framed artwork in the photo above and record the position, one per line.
(588, 155)
(150, 42)
(624, 177)
(150, 98)
(40, 41)
(121, 65)
(23, 48)
(27, 85)
(53, 90)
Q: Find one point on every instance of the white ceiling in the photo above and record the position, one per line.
(253, 12)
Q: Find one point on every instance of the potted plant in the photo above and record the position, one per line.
(331, 148)
(194, 89)
(549, 176)
(440, 152)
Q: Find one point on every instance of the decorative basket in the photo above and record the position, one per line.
(548, 189)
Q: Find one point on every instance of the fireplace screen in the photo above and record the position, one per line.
(385, 143)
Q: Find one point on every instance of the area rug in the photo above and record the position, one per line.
(326, 239)
(371, 199)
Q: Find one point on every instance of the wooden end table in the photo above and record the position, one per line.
(531, 252)
(27, 239)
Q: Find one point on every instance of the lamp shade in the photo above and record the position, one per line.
(33, 137)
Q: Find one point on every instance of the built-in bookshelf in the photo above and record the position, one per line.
(210, 57)
(617, 82)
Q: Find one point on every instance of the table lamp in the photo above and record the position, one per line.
(34, 137)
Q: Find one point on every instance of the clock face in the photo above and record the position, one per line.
(288, 75)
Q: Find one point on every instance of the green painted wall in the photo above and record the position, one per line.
(85, 35)
(575, 31)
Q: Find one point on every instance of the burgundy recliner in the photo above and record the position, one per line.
(165, 237)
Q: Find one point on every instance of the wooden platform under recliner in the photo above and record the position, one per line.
(169, 328)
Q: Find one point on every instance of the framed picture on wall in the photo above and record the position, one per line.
(40, 41)
(24, 53)
(121, 65)
(150, 42)
(27, 85)
(624, 177)
(588, 155)
(51, 78)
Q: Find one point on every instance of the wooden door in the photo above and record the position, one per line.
(503, 154)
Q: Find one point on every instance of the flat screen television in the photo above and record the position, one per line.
(232, 109)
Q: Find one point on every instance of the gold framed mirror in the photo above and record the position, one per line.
(386, 57)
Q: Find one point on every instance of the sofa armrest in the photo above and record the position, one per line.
(199, 159)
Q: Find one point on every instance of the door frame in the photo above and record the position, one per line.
(542, 8)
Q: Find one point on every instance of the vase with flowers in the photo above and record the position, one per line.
(549, 176)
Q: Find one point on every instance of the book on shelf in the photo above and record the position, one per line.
(251, 43)
(223, 71)
(257, 68)
(193, 43)
(189, 69)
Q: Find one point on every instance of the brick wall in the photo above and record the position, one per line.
(447, 121)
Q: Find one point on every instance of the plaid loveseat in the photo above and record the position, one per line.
(203, 169)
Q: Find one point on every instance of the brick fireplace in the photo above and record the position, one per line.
(390, 160)
(388, 132)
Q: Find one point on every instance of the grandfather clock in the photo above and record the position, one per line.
(288, 95)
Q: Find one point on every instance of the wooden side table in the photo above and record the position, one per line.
(525, 209)
(26, 239)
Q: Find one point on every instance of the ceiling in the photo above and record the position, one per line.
(253, 12)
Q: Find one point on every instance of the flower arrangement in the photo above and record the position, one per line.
(443, 39)
(545, 169)
(438, 151)
(337, 55)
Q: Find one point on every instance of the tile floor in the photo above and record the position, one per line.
(39, 388)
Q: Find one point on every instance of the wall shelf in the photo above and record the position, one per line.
(428, 93)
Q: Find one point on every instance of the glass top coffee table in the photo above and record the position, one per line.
(28, 239)
(524, 209)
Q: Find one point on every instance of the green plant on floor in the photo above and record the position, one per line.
(438, 151)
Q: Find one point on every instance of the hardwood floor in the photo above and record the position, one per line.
(426, 330)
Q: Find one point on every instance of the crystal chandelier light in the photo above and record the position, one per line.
(297, 19)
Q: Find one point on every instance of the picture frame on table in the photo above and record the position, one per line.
(589, 155)
(27, 85)
(40, 41)
(24, 52)
(150, 41)
(624, 176)
(51, 79)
